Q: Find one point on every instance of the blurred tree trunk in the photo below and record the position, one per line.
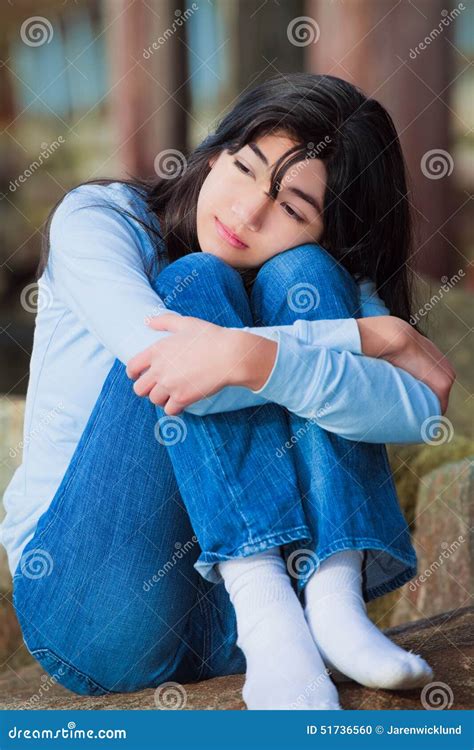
(149, 92)
(262, 47)
(375, 45)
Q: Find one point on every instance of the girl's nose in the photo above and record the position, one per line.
(249, 213)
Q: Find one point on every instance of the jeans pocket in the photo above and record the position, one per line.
(67, 675)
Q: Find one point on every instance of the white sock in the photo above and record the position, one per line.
(347, 639)
(284, 667)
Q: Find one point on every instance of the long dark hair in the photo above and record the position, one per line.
(366, 214)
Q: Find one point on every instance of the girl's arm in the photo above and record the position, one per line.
(341, 334)
(96, 267)
(359, 398)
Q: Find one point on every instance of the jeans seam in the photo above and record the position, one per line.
(270, 537)
(227, 482)
(37, 538)
(38, 651)
(205, 608)
(278, 539)
(373, 544)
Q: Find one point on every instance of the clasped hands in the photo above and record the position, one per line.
(200, 358)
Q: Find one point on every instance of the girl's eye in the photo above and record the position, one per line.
(242, 167)
(288, 210)
(291, 212)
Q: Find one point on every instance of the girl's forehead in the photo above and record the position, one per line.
(269, 148)
(273, 145)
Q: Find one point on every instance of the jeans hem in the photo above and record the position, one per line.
(206, 565)
(374, 591)
(392, 583)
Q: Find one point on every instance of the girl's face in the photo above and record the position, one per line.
(240, 223)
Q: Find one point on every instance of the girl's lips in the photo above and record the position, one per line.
(227, 235)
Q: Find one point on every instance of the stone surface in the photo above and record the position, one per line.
(446, 642)
(444, 545)
(410, 463)
(414, 472)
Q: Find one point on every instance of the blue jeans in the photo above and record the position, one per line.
(132, 597)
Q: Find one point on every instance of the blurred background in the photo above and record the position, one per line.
(98, 88)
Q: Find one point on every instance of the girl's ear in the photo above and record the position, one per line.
(212, 160)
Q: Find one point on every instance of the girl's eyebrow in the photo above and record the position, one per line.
(306, 197)
(300, 193)
(258, 152)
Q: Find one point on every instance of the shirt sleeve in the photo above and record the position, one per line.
(96, 268)
(356, 397)
(340, 334)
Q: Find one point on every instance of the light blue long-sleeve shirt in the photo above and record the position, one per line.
(94, 297)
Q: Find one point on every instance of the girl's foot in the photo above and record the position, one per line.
(284, 667)
(346, 638)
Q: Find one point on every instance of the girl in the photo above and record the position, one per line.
(232, 509)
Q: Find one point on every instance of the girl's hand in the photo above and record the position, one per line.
(395, 340)
(198, 360)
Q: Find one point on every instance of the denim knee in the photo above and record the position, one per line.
(304, 282)
(205, 286)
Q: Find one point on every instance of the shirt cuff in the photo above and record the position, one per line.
(341, 334)
(276, 337)
(294, 376)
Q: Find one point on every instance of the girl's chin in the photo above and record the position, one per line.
(231, 258)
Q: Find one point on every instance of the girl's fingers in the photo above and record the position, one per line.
(138, 363)
(173, 407)
(159, 395)
(144, 384)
